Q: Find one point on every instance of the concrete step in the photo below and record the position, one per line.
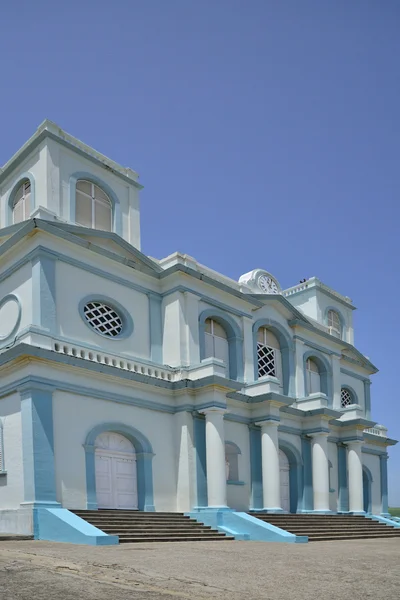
(344, 536)
(185, 538)
(14, 537)
(332, 531)
(191, 534)
(166, 527)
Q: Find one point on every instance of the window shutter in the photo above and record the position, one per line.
(209, 345)
(315, 382)
(221, 350)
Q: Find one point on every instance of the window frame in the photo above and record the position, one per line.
(94, 202)
(277, 360)
(234, 336)
(234, 452)
(26, 176)
(341, 326)
(127, 321)
(352, 395)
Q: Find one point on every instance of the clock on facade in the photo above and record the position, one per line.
(267, 285)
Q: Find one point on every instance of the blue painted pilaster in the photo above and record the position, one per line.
(91, 501)
(44, 292)
(384, 483)
(256, 468)
(199, 430)
(145, 481)
(367, 398)
(38, 445)
(343, 490)
(156, 330)
(308, 500)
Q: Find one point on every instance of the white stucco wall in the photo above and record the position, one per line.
(12, 484)
(19, 284)
(70, 433)
(73, 284)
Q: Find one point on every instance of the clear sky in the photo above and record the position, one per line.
(266, 134)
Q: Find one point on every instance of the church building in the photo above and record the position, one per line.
(159, 385)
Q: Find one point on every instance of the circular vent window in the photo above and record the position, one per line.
(104, 319)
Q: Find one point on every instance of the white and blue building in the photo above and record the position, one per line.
(128, 382)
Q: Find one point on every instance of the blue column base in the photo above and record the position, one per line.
(359, 513)
(272, 511)
(212, 509)
(321, 512)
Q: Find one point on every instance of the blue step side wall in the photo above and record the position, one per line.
(61, 525)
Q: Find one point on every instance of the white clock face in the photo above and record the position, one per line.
(267, 285)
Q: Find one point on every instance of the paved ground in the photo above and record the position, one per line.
(202, 570)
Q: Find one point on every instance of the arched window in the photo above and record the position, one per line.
(334, 323)
(346, 398)
(93, 206)
(232, 461)
(22, 202)
(313, 377)
(268, 354)
(216, 342)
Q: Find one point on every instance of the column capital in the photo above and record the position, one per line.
(213, 410)
(354, 443)
(268, 423)
(318, 434)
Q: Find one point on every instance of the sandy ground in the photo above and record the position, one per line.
(201, 570)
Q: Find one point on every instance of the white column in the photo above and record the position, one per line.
(299, 347)
(320, 472)
(248, 350)
(336, 382)
(270, 465)
(355, 483)
(215, 457)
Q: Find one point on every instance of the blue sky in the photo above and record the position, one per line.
(266, 134)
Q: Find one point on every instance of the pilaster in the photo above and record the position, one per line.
(384, 484)
(156, 328)
(299, 353)
(44, 310)
(270, 465)
(336, 382)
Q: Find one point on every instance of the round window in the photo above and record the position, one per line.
(104, 319)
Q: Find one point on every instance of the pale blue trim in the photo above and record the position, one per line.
(38, 444)
(355, 375)
(199, 434)
(325, 373)
(384, 483)
(367, 489)
(234, 482)
(384, 519)
(3, 301)
(307, 503)
(343, 490)
(207, 300)
(341, 319)
(61, 525)
(322, 349)
(127, 322)
(287, 353)
(257, 501)
(156, 328)
(373, 450)
(331, 490)
(295, 474)
(115, 204)
(244, 526)
(235, 340)
(44, 300)
(11, 196)
(144, 456)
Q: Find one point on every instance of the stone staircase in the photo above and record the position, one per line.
(132, 526)
(330, 527)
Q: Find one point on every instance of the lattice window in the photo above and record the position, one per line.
(346, 398)
(103, 318)
(93, 206)
(268, 354)
(334, 323)
(22, 202)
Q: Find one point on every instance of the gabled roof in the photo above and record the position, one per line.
(51, 130)
(105, 243)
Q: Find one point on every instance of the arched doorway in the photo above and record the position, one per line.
(367, 481)
(284, 468)
(116, 473)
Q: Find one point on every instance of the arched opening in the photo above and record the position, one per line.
(317, 374)
(313, 377)
(347, 397)
(232, 452)
(21, 204)
(93, 206)
(281, 353)
(284, 469)
(220, 334)
(269, 359)
(367, 485)
(216, 342)
(291, 473)
(136, 449)
(116, 473)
